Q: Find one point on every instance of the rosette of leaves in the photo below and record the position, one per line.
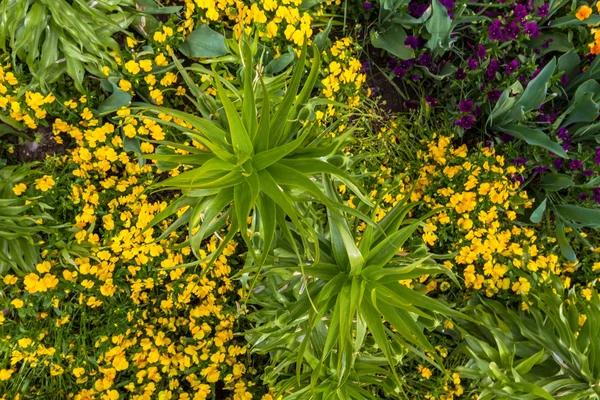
(54, 37)
(550, 351)
(338, 326)
(19, 228)
(263, 157)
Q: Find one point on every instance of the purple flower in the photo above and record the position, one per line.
(597, 157)
(399, 71)
(511, 30)
(539, 170)
(587, 173)
(415, 77)
(495, 31)
(531, 29)
(596, 192)
(481, 51)
(449, 4)
(536, 73)
(564, 80)
(465, 122)
(520, 12)
(473, 64)
(546, 43)
(411, 42)
(512, 66)
(492, 68)
(366, 66)
(583, 196)
(575, 165)
(460, 74)
(424, 59)
(506, 138)
(563, 134)
(392, 62)
(519, 161)
(367, 5)
(406, 64)
(465, 106)
(494, 95)
(543, 10)
(557, 163)
(431, 100)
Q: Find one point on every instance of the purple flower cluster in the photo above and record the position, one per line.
(469, 114)
(511, 29)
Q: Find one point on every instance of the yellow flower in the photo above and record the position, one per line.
(78, 372)
(5, 374)
(131, 42)
(146, 65)
(583, 13)
(44, 183)
(125, 85)
(132, 67)
(19, 189)
(17, 303)
(161, 60)
(87, 114)
(10, 279)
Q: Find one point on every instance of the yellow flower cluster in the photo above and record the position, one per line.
(28, 109)
(478, 201)
(150, 327)
(271, 19)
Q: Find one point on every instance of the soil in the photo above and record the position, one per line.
(41, 144)
(391, 100)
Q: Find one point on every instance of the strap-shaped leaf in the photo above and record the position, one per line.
(382, 253)
(313, 166)
(260, 141)
(240, 139)
(269, 157)
(248, 105)
(281, 116)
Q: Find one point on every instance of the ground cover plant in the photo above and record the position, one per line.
(286, 199)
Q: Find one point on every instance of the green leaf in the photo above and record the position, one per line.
(535, 92)
(392, 41)
(565, 247)
(115, 101)
(586, 216)
(439, 26)
(536, 216)
(279, 64)
(387, 248)
(525, 366)
(203, 42)
(534, 137)
(555, 182)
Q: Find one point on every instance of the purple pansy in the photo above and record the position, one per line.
(465, 106)
(512, 66)
(465, 122)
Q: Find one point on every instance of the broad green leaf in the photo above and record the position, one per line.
(204, 42)
(392, 41)
(534, 137)
(587, 216)
(555, 182)
(536, 216)
(535, 92)
(439, 26)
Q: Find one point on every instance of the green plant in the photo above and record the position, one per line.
(265, 163)
(72, 36)
(550, 351)
(19, 224)
(338, 325)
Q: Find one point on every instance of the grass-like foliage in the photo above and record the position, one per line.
(262, 157)
(343, 321)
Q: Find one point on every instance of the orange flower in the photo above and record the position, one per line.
(583, 13)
